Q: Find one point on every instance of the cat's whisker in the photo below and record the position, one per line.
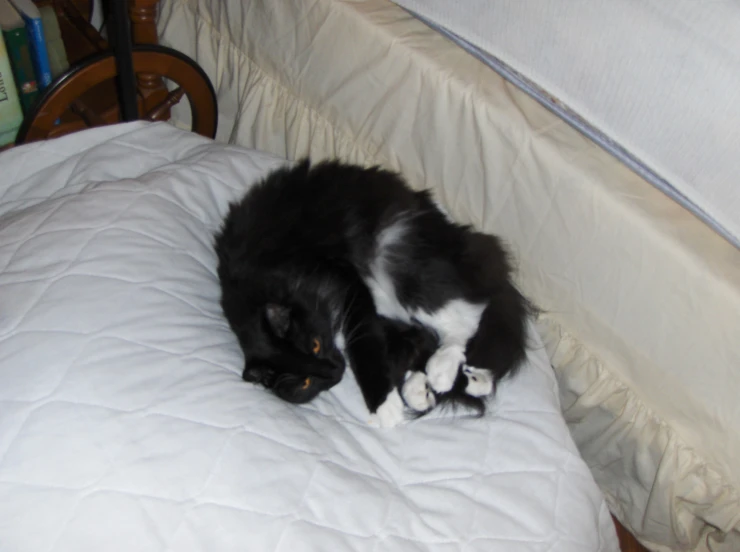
(353, 335)
(354, 338)
(347, 309)
(349, 337)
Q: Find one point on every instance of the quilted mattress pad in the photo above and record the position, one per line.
(125, 425)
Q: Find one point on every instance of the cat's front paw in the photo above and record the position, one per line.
(416, 392)
(442, 367)
(390, 413)
(480, 381)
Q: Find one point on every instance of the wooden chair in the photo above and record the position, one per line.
(108, 83)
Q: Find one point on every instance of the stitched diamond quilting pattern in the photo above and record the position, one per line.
(125, 425)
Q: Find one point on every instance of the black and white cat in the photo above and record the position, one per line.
(313, 260)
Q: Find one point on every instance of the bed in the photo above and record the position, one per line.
(656, 86)
(124, 422)
(640, 295)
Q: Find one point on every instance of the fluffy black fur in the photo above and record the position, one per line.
(294, 258)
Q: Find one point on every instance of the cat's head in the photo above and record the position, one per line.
(298, 358)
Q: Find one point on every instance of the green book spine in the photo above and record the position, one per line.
(11, 115)
(16, 41)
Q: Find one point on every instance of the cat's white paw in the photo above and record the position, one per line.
(416, 392)
(390, 413)
(480, 381)
(443, 366)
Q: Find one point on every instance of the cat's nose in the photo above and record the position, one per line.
(328, 370)
(336, 370)
(337, 359)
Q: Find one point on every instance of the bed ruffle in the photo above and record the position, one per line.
(647, 473)
(664, 490)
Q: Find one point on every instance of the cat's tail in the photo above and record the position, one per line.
(457, 401)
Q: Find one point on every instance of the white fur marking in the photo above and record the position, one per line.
(380, 282)
(443, 366)
(416, 392)
(480, 381)
(339, 341)
(455, 323)
(390, 413)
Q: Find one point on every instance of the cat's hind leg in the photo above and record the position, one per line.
(498, 347)
(443, 366)
(455, 323)
(480, 381)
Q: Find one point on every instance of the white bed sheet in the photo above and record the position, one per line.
(659, 79)
(124, 424)
(642, 299)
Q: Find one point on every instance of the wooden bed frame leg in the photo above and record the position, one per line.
(627, 541)
(143, 14)
(144, 20)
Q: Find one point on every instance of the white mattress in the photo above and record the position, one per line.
(657, 82)
(124, 423)
(641, 298)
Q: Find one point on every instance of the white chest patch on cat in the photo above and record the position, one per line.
(380, 282)
(455, 323)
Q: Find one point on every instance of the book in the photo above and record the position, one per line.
(16, 43)
(58, 62)
(36, 40)
(11, 115)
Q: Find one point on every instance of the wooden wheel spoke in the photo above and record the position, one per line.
(80, 108)
(83, 27)
(161, 110)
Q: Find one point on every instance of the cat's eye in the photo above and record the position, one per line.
(306, 383)
(316, 346)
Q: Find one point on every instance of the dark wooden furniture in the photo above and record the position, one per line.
(87, 95)
(627, 542)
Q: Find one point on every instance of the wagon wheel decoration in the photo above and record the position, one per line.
(65, 92)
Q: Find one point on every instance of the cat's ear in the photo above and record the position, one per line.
(278, 317)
